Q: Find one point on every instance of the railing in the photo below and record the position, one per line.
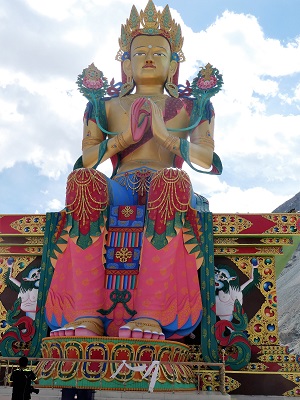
(9, 363)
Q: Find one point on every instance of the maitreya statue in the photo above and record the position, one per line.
(128, 248)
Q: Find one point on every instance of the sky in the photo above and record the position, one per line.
(254, 44)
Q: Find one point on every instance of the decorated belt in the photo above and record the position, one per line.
(136, 180)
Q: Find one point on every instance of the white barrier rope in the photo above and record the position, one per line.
(141, 368)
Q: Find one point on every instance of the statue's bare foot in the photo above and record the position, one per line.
(142, 328)
(81, 327)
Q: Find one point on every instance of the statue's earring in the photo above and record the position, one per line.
(127, 87)
(171, 88)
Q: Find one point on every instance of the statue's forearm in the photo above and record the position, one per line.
(114, 145)
(200, 154)
(202, 144)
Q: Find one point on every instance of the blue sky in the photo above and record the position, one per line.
(279, 18)
(255, 45)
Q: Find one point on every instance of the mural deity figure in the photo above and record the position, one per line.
(27, 289)
(129, 247)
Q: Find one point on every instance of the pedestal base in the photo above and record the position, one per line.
(99, 359)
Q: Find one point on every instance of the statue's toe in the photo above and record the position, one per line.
(70, 331)
(147, 334)
(142, 328)
(137, 333)
(125, 331)
(81, 327)
(55, 332)
(83, 331)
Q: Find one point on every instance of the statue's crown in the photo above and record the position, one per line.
(151, 22)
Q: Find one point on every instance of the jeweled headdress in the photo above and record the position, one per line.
(151, 22)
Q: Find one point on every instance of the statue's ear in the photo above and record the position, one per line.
(127, 86)
(173, 68)
(127, 68)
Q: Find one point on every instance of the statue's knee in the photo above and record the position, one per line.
(172, 178)
(171, 187)
(87, 191)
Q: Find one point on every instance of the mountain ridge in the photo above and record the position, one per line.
(288, 283)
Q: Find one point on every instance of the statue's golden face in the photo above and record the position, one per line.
(150, 60)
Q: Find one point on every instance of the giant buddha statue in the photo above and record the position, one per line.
(128, 248)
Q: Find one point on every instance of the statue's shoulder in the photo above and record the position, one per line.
(111, 101)
(111, 104)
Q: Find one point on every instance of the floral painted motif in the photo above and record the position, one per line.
(92, 83)
(208, 81)
(205, 84)
(92, 77)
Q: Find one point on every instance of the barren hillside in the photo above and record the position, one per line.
(288, 293)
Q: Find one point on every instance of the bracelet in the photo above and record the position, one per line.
(120, 142)
(169, 143)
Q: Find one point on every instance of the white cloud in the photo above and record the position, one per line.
(55, 9)
(237, 200)
(79, 37)
(54, 205)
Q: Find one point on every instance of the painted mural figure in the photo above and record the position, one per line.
(228, 290)
(27, 289)
(128, 247)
